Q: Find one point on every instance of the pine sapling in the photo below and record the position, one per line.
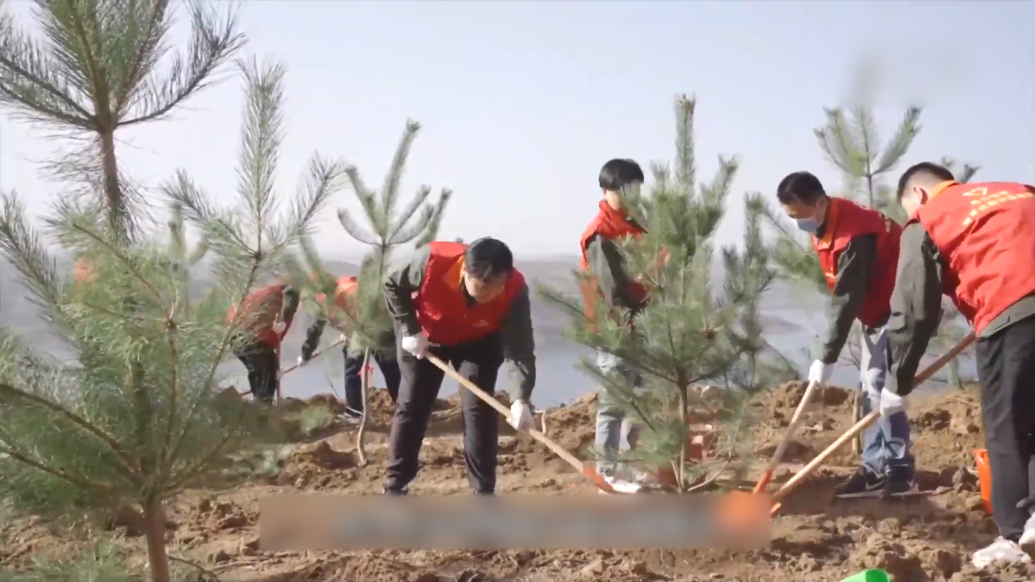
(688, 331)
(388, 228)
(135, 419)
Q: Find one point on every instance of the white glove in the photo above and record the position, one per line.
(416, 344)
(521, 416)
(279, 327)
(820, 372)
(890, 403)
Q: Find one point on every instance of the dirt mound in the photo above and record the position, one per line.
(923, 539)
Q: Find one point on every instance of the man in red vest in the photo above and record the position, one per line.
(264, 321)
(975, 243)
(344, 294)
(611, 286)
(468, 306)
(858, 251)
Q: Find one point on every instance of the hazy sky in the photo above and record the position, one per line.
(522, 102)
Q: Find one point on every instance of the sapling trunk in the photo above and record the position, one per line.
(364, 390)
(684, 413)
(154, 532)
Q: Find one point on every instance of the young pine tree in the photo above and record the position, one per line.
(388, 228)
(101, 66)
(689, 332)
(136, 419)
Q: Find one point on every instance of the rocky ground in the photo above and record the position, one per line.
(927, 538)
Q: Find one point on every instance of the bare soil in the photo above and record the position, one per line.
(922, 539)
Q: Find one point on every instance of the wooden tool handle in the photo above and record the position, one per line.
(317, 353)
(791, 428)
(556, 448)
(867, 421)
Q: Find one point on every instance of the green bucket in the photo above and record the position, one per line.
(869, 576)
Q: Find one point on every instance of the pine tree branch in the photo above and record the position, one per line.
(403, 218)
(907, 131)
(29, 82)
(261, 138)
(212, 44)
(130, 464)
(390, 193)
(431, 230)
(58, 473)
(686, 168)
(354, 229)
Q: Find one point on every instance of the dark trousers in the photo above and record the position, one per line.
(477, 361)
(262, 363)
(354, 379)
(1006, 370)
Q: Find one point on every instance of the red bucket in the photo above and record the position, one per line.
(984, 476)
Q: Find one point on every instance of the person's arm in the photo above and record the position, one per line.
(916, 305)
(519, 344)
(854, 268)
(291, 300)
(312, 336)
(400, 285)
(608, 268)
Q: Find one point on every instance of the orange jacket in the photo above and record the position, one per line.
(442, 305)
(610, 224)
(847, 220)
(985, 234)
(343, 293)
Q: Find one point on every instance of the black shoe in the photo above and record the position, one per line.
(862, 484)
(395, 491)
(492, 493)
(897, 483)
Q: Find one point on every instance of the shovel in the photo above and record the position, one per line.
(296, 365)
(586, 470)
(863, 425)
(780, 450)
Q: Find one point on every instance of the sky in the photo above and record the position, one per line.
(522, 102)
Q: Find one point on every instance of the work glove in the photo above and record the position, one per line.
(416, 344)
(820, 373)
(890, 403)
(279, 327)
(521, 416)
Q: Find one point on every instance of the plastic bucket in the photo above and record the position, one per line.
(984, 476)
(869, 576)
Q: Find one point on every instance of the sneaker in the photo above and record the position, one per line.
(1001, 551)
(862, 484)
(395, 491)
(1027, 541)
(897, 484)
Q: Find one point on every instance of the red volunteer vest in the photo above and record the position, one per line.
(985, 233)
(260, 311)
(610, 224)
(441, 303)
(845, 221)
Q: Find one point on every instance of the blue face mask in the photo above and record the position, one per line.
(809, 225)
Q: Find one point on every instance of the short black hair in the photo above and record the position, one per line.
(801, 187)
(617, 174)
(488, 257)
(928, 173)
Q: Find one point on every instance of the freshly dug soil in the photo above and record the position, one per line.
(924, 539)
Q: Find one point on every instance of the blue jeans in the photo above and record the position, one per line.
(614, 432)
(886, 443)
